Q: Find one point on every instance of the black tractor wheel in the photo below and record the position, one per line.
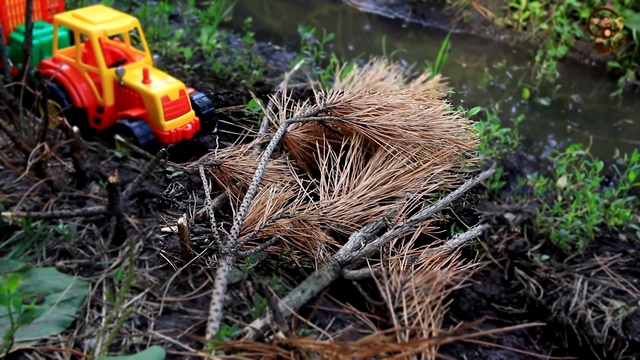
(60, 104)
(137, 132)
(204, 108)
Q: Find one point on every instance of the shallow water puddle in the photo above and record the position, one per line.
(482, 72)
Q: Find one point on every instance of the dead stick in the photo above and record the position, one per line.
(77, 150)
(58, 214)
(226, 258)
(282, 87)
(222, 199)
(184, 235)
(133, 186)
(135, 149)
(116, 208)
(405, 226)
(228, 250)
(324, 276)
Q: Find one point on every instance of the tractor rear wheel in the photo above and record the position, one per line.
(137, 132)
(59, 104)
(204, 108)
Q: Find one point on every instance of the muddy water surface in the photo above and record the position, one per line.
(482, 72)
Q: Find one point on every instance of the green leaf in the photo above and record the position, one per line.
(474, 111)
(236, 275)
(61, 297)
(544, 101)
(11, 266)
(632, 21)
(153, 353)
(525, 93)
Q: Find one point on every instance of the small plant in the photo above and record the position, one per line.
(36, 303)
(496, 141)
(18, 312)
(576, 206)
(323, 65)
(441, 59)
(555, 26)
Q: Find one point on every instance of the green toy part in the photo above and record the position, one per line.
(42, 43)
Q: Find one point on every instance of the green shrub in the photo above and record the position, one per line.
(576, 206)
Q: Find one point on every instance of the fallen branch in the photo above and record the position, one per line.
(115, 208)
(226, 258)
(222, 199)
(324, 276)
(282, 87)
(229, 249)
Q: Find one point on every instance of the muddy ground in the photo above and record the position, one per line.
(513, 287)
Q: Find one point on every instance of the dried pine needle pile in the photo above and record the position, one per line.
(385, 146)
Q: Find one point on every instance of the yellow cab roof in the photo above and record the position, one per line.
(96, 19)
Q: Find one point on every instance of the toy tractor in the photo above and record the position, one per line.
(102, 75)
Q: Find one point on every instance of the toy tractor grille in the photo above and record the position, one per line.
(13, 12)
(175, 108)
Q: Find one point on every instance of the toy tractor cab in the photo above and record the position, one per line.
(104, 77)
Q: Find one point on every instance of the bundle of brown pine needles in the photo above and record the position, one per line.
(374, 145)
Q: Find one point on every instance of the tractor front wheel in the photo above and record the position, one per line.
(204, 108)
(137, 132)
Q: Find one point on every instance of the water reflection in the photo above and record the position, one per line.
(482, 72)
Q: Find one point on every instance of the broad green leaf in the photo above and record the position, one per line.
(153, 353)
(59, 297)
(8, 267)
(632, 21)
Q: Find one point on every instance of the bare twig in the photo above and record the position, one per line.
(115, 208)
(325, 275)
(209, 207)
(117, 202)
(77, 149)
(184, 236)
(16, 137)
(282, 87)
(399, 229)
(458, 240)
(277, 315)
(133, 148)
(257, 249)
(227, 257)
(228, 249)
(28, 39)
(359, 274)
(58, 214)
(135, 184)
(216, 204)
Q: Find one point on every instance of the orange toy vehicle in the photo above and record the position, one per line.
(102, 73)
